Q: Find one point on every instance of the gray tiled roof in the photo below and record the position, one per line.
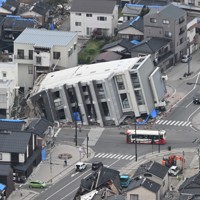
(45, 38)
(39, 126)
(146, 183)
(153, 168)
(138, 25)
(93, 6)
(11, 126)
(150, 45)
(170, 11)
(122, 42)
(14, 142)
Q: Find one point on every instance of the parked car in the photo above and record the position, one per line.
(196, 98)
(173, 171)
(80, 166)
(186, 58)
(96, 165)
(37, 184)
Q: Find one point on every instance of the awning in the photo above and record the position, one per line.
(29, 162)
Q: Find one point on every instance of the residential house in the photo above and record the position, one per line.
(102, 93)
(121, 46)
(40, 11)
(168, 22)
(190, 189)
(132, 29)
(102, 178)
(40, 51)
(94, 17)
(13, 26)
(8, 88)
(19, 150)
(6, 178)
(159, 49)
(156, 173)
(143, 189)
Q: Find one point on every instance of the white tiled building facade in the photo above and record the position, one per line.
(102, 92)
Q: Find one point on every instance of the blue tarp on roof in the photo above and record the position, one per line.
(12, 120)
(135, 42)
(2, 187)
(141, 5)
(134, 20)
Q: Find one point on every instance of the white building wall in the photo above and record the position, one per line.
(21, 158)
(6, 157)
(93, 23)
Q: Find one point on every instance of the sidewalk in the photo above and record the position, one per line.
(51, 173)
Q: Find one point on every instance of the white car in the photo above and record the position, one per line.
(80, 166)
(186, 58)
(174, 171)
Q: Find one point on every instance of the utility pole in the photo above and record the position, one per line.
(87, 144)
(135, 139)
(159, 143)
(188, 44)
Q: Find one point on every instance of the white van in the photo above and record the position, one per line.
(120, 20)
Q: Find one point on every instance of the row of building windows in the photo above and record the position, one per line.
(101, 18)
(154, 20)
(20, 55)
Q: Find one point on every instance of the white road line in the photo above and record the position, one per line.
(128, 157)
(124, 157)
(113, 155)
(101, 155)
(176, 123)
(188, 124)
(165, 122)
(184, 123)
(116, 156)
(180, 123)
(120, 156)
(132, 158)
(56, 134)
(161, 121)
(105, 155)
(157, 122)
(109, 155)
(97, 155)
(169, 122)
(172, 123)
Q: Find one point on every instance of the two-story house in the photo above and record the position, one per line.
(18, 149)
(40, 51)
(155, 172)
(169, 22)
(159, 49)
(103, 92)
(8, 88)
(94, 17)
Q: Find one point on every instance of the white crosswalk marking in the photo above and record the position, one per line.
(180, 123)
(174, 123)
(114, 156)
(165, 122)
(188, 124)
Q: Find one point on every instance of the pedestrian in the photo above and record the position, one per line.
(65, 162)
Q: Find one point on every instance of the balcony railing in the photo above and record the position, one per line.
(22, 57)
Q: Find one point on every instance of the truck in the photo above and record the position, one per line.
(125, 180)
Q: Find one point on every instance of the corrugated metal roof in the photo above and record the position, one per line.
(45, 38)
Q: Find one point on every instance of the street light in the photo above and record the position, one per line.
(135, 125)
